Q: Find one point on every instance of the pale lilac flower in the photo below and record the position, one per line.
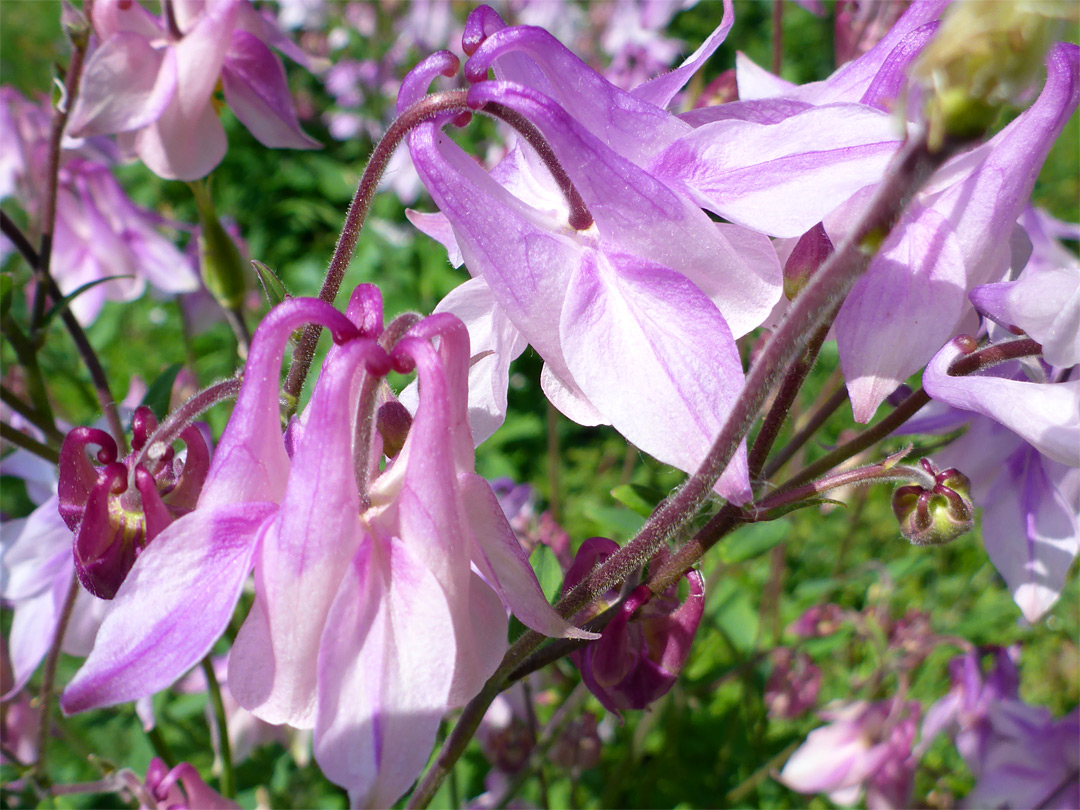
(410, 629)
(866, 746)
(152, 80)
(567, 291)
(1044, 301)
(37, 571)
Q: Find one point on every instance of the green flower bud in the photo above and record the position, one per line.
(984, 55)
(933, 517)
(220, 262)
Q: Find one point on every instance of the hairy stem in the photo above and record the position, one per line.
(816, 420)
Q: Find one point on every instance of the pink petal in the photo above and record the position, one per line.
(569, 399)
(908, 304)
(640, 328)
(200, 54)
(181, 148)
(303, 555)
(504, 564)
(256, 90)
(385, 666)
(126, 85)
(34, 628)
(438, 227)
(175, 602)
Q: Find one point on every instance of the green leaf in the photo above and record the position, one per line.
(6, 286)
(641, 499)
(160, 390)
(550, 575)
(65, 302)
(753, 540)
(271, 284)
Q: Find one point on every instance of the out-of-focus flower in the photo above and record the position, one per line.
(181, 788)
(411, 630)
(117, 509)
(643, 648)
(99, 231)
(793, 686)
(818, 621)
(965, 711)
(153, 80)
(1031, 760)
(866, 746)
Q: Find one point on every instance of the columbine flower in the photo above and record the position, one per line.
(117, 509)
(179, 788)
(566, 286)
(386, 569)
(643, 648)
(793, 686)
(152, 79)
(866, 746)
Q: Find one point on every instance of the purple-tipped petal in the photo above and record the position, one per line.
(1030, 531)
(126, 85)
(256, 90)
(1045, 304)
(685, 371)
(1046, 415)
(175, 602)
(504, 564)
(910, 301)
(782, 178)
(634, 128)
(385, 667)
(662, 89)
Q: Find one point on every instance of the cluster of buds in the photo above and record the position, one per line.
(117, 508)
(938, 515)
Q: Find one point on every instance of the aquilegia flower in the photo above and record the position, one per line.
(153, 79)
(383, 560)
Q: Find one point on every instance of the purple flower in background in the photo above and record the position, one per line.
(793, 685)
(866, 746)
(99, 231)
(643, 648)
(965, 711)
(152, 80)
(179, 787)
(1031, 760)
(411, 630)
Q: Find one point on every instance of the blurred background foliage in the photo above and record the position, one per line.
(709, 742)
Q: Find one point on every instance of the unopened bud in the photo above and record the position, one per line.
(220, 263)
(933, 517)
(393, 421)
(984, 55)
(810, 252)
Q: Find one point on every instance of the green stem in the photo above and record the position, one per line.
(20, 439)
(48, 677)
(228, 780)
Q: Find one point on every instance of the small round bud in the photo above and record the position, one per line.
(933, 517)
